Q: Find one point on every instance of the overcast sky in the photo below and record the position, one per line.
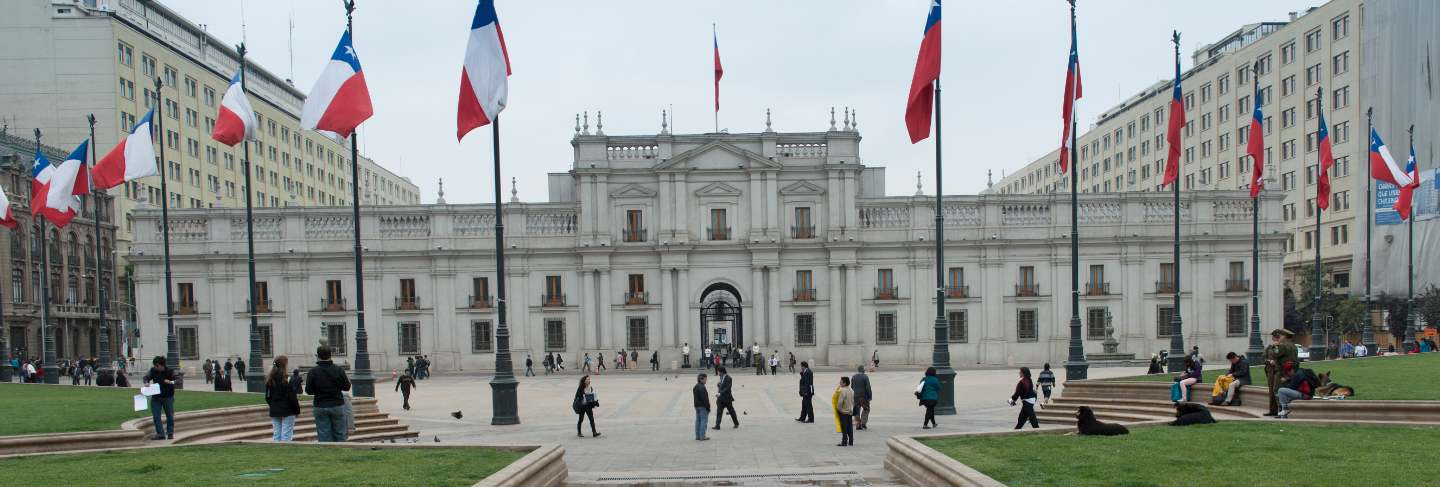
(1004, 68)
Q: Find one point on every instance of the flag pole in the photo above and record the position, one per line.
(1257, 347)
(47, 337)
(364, 378)
(1317, 319)
(714, 36)
(254, 371)
(106, 374)
(1076, 368)
(1410, 322)
(1368, 335)
(941, 354)
(1177, 340)
(172, 348)
(503, 385)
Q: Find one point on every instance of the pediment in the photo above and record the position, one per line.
(718, 155)
(802, 188)
(718, 189)
(633, 191)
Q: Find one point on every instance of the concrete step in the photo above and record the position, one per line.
(1142, 407)
(378, 432)
(361, 426)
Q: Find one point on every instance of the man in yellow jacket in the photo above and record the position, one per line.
(844, 402)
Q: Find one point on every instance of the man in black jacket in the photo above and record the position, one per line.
(1240, 371)
(725, 401)
(860, 383)
(164, 401)
(702, 408)
(327, 382)
(240, 368)
(807, 390)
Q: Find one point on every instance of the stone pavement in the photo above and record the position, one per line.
(647, 420)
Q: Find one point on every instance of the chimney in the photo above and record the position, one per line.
(1294, 15)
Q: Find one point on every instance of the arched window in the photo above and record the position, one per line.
(17, 285)
(17, 243)
(72, 291)
(54, 247)
(89, 251)
(74, 249)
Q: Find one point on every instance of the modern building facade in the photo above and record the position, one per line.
(1319, 49)
(651, 242)
(61, 60)
(72, 267)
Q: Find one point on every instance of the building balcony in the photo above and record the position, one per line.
(957, 292)
(332, 304)
(637, 297)
(720, 233)
(89, 262)
(552, 300)
(802, 295)
(407, 302)
(1237, 285)
(633, 234)
(891, 292)
(261, 306)
(55, 259)
(1097, 289)
(1164, 287)
(479, 302)
(186, 307)
(802, 231)
(1027, 290)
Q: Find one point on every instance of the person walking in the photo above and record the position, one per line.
(560, 361)
(284, 403)
(860, 384)
(326, 383)
(634, 358)
(706, 357)
(1280, 358)
(685, 355)
(164, 401)
(404, 384)
(410, 365)
(702, 407)
(774, 361)
(240, 368)
(807, 391)
(229, 367)
(529, 366)
(725, 401)
(844, 401)
(875, 358)
(585, 369)
(928, 392)
(759, 364)
(1025, 392)
(792, 362)
(584, 406)
(655, 360)
(209, 373)
(1047, 382)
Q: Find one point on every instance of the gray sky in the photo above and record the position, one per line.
(1004, 68)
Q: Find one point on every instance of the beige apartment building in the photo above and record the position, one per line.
(62, 60)
(1318, 49)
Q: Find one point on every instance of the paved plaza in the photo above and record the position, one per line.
(647, 420)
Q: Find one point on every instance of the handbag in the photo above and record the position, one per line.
(919, 387)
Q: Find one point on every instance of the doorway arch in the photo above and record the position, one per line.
(722, 322)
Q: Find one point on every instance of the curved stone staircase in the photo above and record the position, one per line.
(1133, 402)
(253, 423)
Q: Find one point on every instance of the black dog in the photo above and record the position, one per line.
(1089, 426)
(1188, 413)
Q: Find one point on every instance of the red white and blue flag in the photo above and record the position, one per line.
(340, 100)
(719, 70)
(1382, 164)
(7, 218)
(54, 189)
(483, 83)
(919, 106)
(1172, 133)
(1072, 93)
(236, 120)
(133, 158)
(1407, 192)
(1327, 161)
(1255, 147)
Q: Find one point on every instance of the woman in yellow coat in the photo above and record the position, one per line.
(843, 401)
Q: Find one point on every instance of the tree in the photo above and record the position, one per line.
(1305, 301)
(1428, 305)
(1397, 308)
(1294, 321)
(1349, 317)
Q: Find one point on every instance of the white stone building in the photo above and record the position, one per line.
(646, 233)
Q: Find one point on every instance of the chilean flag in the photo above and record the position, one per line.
(719, 70)
(236, 120)
(1256, 146)
(1407, 192)
(1382, 165)
(1072, 93)
(1327, 160)
(339, 101)
(54, 188)
(133, 158)
(483, 84)
(919, 106)
(7, 218)
(1172, 133)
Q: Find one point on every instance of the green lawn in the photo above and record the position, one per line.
(1227, 453)
(294, 464)
(36, 408)
(1405, 377)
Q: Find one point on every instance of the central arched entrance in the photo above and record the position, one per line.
(722, 325)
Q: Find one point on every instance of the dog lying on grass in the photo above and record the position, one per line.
(1329, 389)
(1089, 426)
(1188, 413)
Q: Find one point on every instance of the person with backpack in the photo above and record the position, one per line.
(1047, 382)
(1189, 377)
(1025, 393)
(1301, 385)
(928, 392)
(1280, 358)
(584, 406)
(284, 403)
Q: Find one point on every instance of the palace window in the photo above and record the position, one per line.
(885, 329)
(554, 335)
(1235, 320)
(189, 338)
(637, 333)
(959, 326)
(1026, 326)
(335, 338)
(805, 330)
(409, 338)
(1163, 316)
(1095, 323)
(480, 337)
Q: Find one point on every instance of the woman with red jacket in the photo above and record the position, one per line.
(1025, 392)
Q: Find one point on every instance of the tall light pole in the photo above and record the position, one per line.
(941, 357)
(1256, 351)
(1177, 339)
(363, 379)
(1317, 319)
(106, 374)
(503, 385)
(1076, 368)
(172, 345)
